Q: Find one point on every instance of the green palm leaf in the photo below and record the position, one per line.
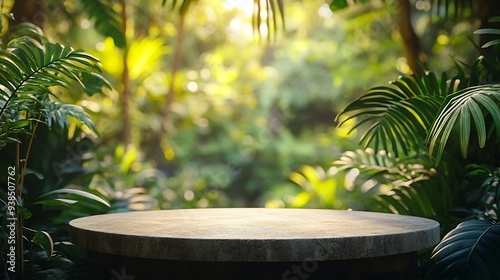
(415, 187)
(384, 167)
(400, 114)
(466, 109)
(470, 251)
(57, 114)
(22, 34)
(107, 19)
(490, 31)
(28, 72)
(423, 199)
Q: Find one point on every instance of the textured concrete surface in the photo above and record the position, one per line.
(253, 234)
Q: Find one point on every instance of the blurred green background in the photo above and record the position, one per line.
(208, 110)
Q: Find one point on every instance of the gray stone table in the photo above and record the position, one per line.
(255, 243)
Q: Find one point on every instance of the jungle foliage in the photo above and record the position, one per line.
(178, 104)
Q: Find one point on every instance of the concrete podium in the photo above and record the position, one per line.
(255, 243)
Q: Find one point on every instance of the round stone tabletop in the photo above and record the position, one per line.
(253, 234)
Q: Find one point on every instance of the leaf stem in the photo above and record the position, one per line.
(25, 165)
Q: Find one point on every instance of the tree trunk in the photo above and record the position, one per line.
(157, 139)
(410, 40)
(126, 130)
(176, 64)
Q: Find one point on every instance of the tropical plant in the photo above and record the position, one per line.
(471, 249)
(435, 128)
(33, 71)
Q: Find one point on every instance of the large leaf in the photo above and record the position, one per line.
(467, 110)
(79, 193)
(399, 115)
(27, 73)
(470, 251)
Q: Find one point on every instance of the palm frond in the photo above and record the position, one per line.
(24, 33)
(384, 167)
(466, 109)
(107, 19)
(415, 189)
(423, 198)
(58, 114)
(274, 9)
(489, 179)
(400, 115)
(470, 251)
(490, 31)
(27, 70)
(27, 74)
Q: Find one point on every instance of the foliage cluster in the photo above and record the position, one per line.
(33, 72)
(240, 123)
(202, 115)
(436, 144)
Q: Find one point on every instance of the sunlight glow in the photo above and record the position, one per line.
(423, 5)
(192, 86)
(368, 185)
(443, 39)
(350, 177)
(402, 65)
(244, 5)
(324, 11)
(188, 195)
(203, 203)
(263, 30)
(84, 23)
(99, 46)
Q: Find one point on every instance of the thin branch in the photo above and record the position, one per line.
(25, 165)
